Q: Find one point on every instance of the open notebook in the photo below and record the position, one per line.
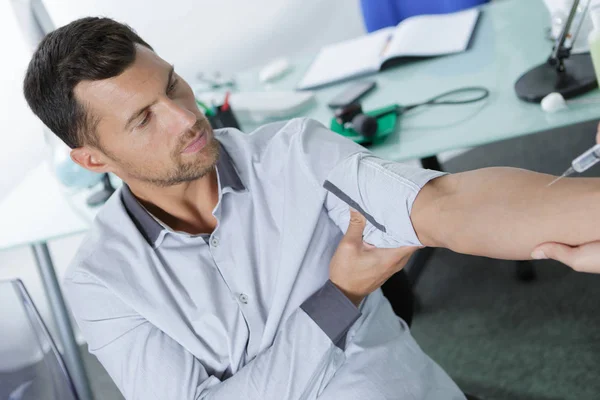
(419, 36)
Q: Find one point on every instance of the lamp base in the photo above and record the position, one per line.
(577, 78)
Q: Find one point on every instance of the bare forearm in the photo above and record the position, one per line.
(506, 212)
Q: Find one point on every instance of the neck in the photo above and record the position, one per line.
(184, 207)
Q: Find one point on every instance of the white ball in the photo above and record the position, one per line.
(553, 102)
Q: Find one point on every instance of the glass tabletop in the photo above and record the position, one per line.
(40, 209)
(511, 38)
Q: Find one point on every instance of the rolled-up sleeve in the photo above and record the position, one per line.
(383, 191)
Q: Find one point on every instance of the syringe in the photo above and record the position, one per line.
(582, 163)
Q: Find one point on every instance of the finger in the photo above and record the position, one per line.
(406, 250)
(393, 256)
(556, 251)
(356, 227)
(402, 262)
(598, 135)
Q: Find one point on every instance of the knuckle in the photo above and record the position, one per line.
(356, 217)
(346, 246)
(355, 220)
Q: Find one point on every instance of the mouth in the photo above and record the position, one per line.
(197, 143)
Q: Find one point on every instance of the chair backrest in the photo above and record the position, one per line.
(379, 14)
(31, 366)
(399, 292)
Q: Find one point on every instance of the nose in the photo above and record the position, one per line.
(180, 118)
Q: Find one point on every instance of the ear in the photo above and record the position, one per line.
(89, 159)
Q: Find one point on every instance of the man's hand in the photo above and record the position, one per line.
(584, 258)
(358, 268)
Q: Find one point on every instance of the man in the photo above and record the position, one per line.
(220, 269)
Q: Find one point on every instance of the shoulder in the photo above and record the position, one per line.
(109, 248)
(303, 137)
(268, 135)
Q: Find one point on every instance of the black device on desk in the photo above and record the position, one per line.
(223, 119)
(220, 116)
(101, 196)
(352, 120)
(352, 94)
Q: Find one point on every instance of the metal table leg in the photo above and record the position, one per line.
(72, 356)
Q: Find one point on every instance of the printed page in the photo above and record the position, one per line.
(347, 59)
(433, 35)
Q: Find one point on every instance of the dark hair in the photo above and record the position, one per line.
(86, 49)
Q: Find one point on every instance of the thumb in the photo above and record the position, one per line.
(556, 251)
(356, 227)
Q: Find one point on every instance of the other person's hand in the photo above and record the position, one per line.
(583, 258)
(357, 268)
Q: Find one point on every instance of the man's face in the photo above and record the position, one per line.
(150, 129)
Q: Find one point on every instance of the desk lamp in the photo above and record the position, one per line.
(563, 72)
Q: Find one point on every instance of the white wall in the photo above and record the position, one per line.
(21, 138)
(224, 35)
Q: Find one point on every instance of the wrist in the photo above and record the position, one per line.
(354, 298)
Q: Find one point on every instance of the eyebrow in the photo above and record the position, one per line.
(141, 110)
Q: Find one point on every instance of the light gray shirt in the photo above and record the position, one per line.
(248, 312)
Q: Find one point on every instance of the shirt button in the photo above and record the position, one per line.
(243, 298)
(214, 242)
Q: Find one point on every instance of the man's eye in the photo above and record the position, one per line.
(172, 87)
(145, 121)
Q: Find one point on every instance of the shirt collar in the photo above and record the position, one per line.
(228, 175)
(147, 224)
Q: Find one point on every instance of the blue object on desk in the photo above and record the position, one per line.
(74, 176)
(379, 14)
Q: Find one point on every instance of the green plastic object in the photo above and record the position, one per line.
(385, 125)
